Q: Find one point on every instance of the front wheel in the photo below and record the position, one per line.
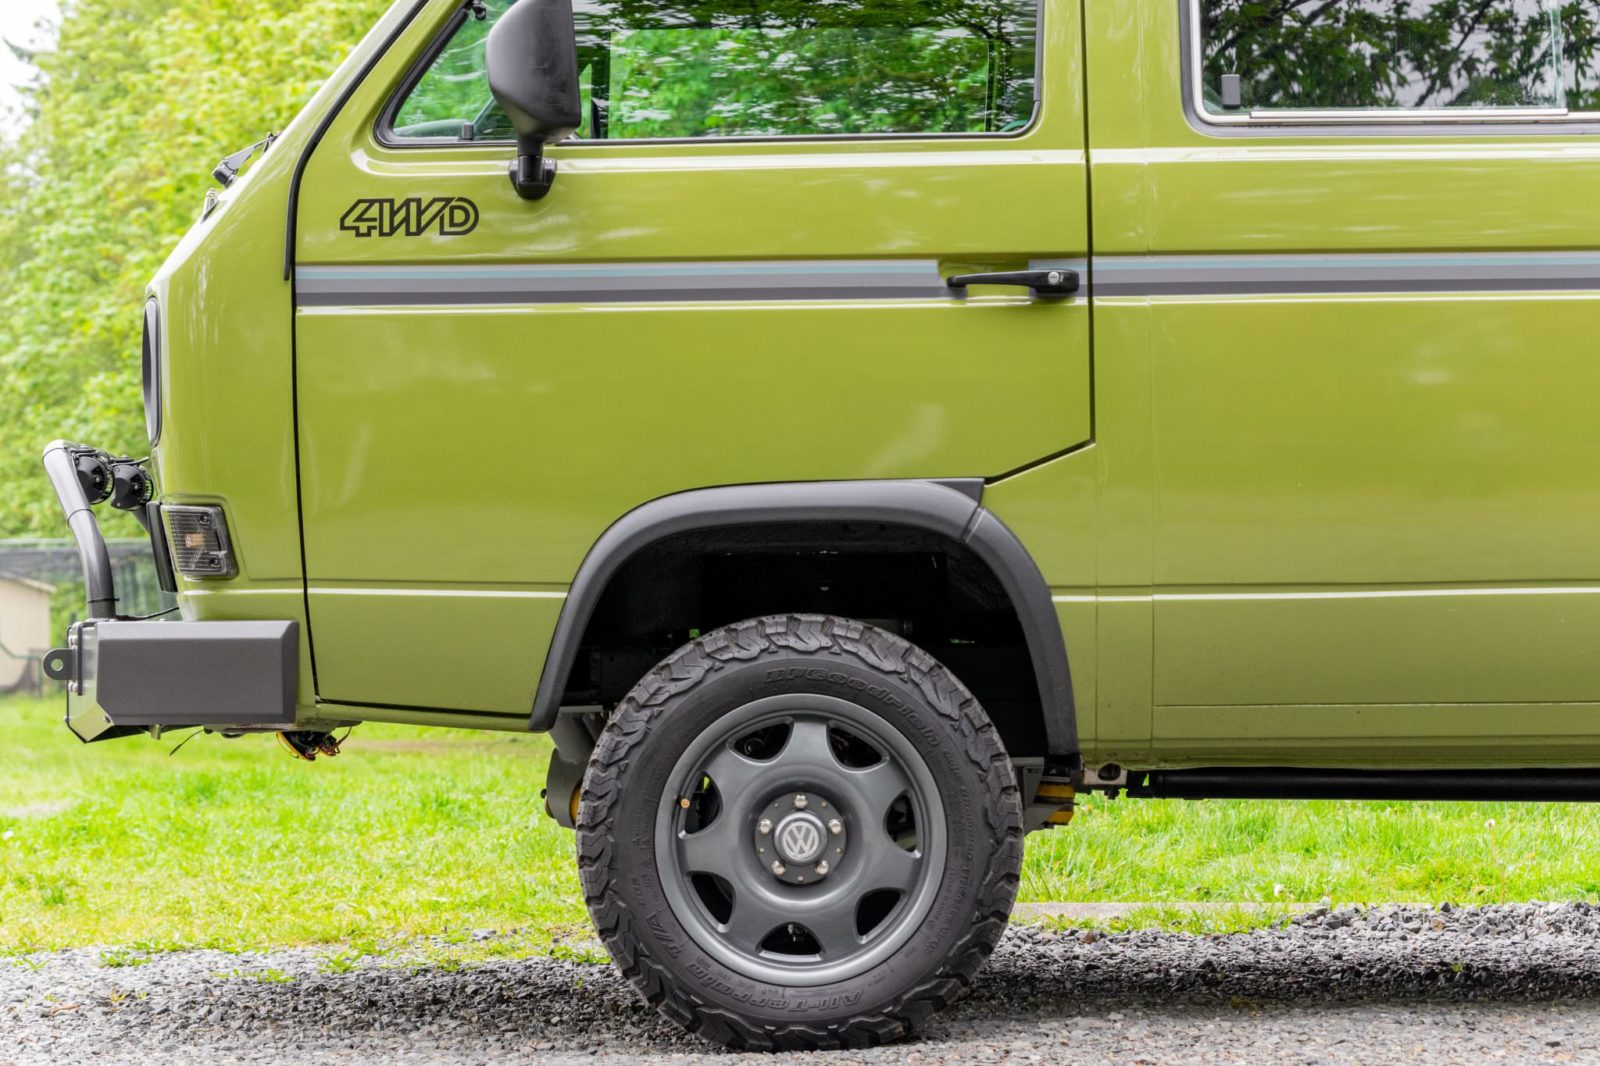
(800, 832)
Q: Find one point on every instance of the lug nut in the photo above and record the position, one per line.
(764, 826)
(822, 868)
(800, 803)
(778, 868)
(835, 827)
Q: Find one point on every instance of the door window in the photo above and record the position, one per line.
(799, 68)
(1468, 56)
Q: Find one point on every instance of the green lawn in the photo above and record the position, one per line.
(417, 833)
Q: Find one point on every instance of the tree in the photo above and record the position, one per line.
(139, 99)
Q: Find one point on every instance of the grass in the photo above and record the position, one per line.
(1349, 852)
(1223, 918)
(413, 839)
(231, 844)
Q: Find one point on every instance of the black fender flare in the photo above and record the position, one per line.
(949, 508)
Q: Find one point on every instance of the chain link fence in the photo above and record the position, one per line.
(54, 563)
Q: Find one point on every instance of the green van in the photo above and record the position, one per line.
(852, 427)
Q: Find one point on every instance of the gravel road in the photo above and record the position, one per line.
(1352, 986)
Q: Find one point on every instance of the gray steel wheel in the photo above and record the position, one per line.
(797, 841)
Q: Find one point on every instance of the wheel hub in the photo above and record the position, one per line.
(800, 837)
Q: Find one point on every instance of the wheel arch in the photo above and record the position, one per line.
(948, 508)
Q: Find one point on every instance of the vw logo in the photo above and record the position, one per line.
(799, 838)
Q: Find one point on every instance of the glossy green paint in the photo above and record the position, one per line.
(1286, 529)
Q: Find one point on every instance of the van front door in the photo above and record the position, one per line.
(737, 277)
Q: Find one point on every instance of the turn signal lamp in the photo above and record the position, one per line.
(199, 540)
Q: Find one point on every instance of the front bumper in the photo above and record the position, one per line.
(126, 676)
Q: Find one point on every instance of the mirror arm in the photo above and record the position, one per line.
(531, 173)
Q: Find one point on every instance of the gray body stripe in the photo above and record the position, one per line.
(593, 296)
(1227, 275)
(1339, 286)
(798, 267)
(620, 283)
(919, 279)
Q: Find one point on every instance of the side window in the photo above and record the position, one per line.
(453, 93)
(1366, 55)
(731, 68)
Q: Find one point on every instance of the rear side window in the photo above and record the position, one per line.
(795, 68)
(1397, 55)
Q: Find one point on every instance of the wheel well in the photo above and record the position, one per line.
(931, 589)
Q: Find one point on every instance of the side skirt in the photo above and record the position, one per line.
(1533, 786)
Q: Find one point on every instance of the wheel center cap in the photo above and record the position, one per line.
(800, 838)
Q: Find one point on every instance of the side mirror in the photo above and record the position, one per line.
(532, 56)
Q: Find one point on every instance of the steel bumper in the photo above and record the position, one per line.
(126, 676)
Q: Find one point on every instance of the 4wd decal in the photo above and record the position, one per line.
(448, 216)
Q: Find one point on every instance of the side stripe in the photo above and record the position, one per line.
(920, 279)
(1226, 275)
(620, 283)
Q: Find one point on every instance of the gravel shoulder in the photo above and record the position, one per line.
(1350, 986)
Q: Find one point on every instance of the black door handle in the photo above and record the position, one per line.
(1051, 284)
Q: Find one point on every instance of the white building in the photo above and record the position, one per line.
(24, 631)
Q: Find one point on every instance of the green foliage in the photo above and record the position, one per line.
(727, 68)
(1405, 53)
(341, 962)
(456, 87)
(138, 101)
(691, 83)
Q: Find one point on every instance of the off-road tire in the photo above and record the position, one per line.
(730, 667)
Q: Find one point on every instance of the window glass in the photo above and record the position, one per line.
(1397, 54)
(454, 91)
(740, 69)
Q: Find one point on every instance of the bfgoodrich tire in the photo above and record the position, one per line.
(800, 832)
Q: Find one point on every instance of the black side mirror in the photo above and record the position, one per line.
(533, 72)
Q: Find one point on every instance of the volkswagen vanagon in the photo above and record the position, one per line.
(851, 428)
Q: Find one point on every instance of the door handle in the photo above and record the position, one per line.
(1049, 284)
